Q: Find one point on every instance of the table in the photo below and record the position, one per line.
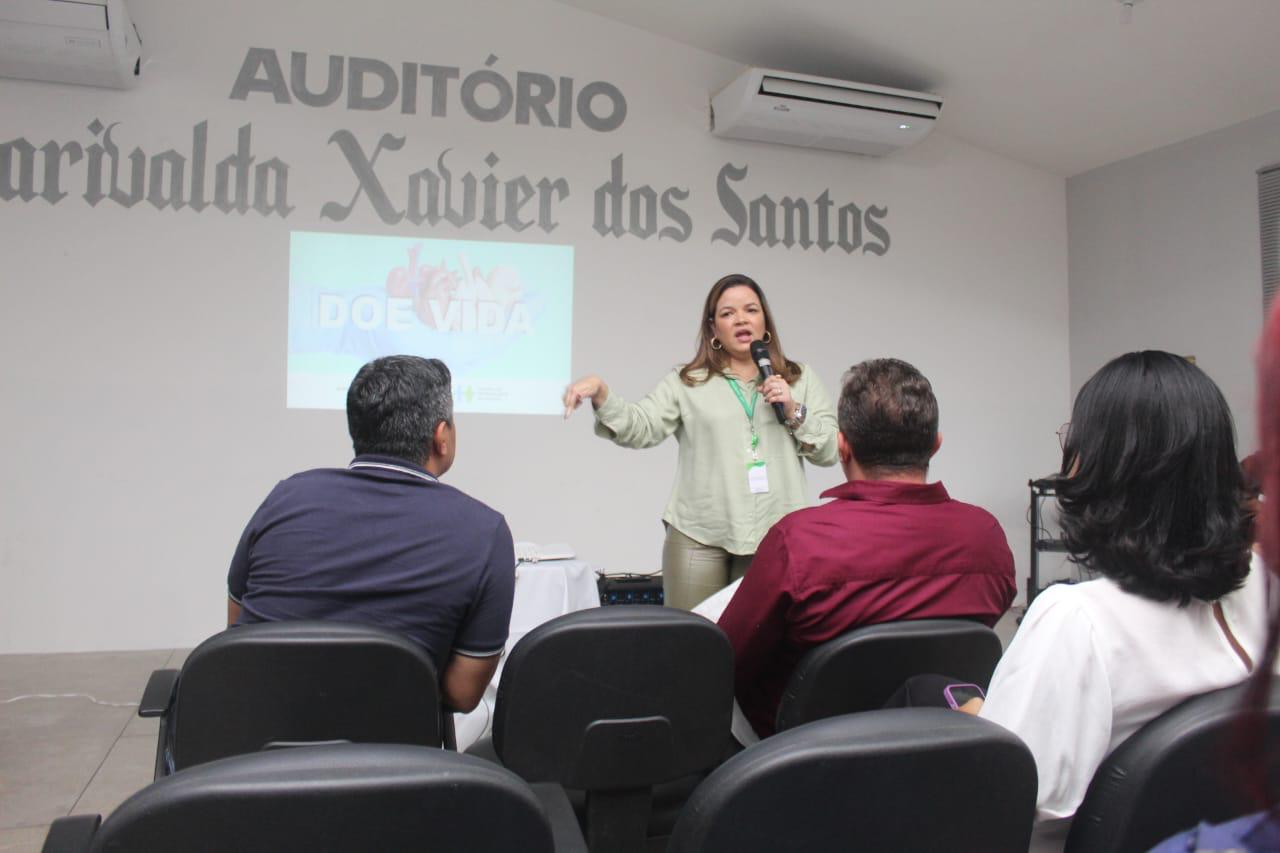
(544, 590)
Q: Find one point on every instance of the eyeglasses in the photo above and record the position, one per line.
(1063, 432)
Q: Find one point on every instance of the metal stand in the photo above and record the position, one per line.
(1040, 491)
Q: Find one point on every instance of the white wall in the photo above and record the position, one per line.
(143, 361)
(1164, 254)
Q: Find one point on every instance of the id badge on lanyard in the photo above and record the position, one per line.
(757, 471)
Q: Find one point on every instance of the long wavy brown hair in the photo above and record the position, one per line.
(708, 362)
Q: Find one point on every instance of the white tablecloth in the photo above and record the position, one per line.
(544, 591)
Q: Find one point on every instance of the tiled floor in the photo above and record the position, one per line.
(71, 756)
(68, 755)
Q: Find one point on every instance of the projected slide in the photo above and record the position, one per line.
(499, 314)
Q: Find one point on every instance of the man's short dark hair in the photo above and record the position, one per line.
(395, 404)
(1151, 490)
(889, 415)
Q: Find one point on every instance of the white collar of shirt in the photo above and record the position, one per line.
(421, 475)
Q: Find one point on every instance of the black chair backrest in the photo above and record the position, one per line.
(337, 798)
(291, 683)
(860, 670)
(615, 698)
(1177, 770)
(912, 779)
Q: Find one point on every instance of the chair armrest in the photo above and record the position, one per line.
(158, 694)
(71, 834)
(565, 831)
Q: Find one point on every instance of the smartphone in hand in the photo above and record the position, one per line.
(957, 694)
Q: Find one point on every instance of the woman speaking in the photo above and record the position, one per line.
(739, 469)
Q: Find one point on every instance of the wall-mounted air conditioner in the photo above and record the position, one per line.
(91, 42)
(818, 112)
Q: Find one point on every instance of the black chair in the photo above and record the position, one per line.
(336, 798)
(860, 670)
(278, 684)
(613, 702)
(1177, 770)
(912, 779)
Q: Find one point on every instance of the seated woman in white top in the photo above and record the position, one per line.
(1151, 500)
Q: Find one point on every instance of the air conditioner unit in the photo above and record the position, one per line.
(818, 112)
(91, 42)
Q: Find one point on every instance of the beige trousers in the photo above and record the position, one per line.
(692, 571)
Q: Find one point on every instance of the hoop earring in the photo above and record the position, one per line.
(768, 338)
(715, 344)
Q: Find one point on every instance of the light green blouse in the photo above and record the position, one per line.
(711, 501)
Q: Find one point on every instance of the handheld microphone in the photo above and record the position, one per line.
(760, 355)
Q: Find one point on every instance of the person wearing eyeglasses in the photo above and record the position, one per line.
(1150, 497)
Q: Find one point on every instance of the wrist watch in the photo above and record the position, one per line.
(798, 418)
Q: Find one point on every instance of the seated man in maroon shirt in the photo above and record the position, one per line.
(889, 547)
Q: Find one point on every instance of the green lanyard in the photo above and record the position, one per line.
(750, 410)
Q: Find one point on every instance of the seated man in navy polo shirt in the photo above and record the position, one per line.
(889, 547)
(383, 542)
